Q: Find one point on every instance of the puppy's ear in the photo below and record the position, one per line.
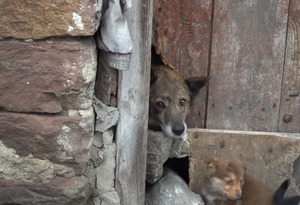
(245, 167)
(195, 84)
(212, 165)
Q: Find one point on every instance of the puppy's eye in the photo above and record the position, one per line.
(160, 104)
(182, 102)
(242, 181)
(229, 182)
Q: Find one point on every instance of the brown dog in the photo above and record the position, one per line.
(226, 183)
(170, 98)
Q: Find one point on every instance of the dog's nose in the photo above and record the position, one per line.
(238, 194)
(178, 129)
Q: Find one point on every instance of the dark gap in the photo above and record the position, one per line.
(209, 60)
(155, 58)
(181, 166)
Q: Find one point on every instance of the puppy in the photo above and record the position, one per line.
(279, 199)
(223, 181)
(226, 183)
(170, 98)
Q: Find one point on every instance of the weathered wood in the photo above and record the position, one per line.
(247, 64)
(269, 157)
(181, 33)
(133, 100)
(289, 119)
(106, 83)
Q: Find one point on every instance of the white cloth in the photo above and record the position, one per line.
(114, 37)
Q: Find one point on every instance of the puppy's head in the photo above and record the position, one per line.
(226, 176)
(170, 98)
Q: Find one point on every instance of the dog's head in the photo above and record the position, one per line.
(226, 176)
(170, 98)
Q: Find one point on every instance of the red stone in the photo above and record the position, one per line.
(33, 19)
(60, 139)
(47, 76)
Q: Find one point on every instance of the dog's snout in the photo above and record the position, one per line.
(178, 129)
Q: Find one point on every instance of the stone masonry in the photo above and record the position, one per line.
(48, 63)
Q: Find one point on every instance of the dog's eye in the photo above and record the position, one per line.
(182, 102)
(160, 104)
(242, 181)
(229, 182)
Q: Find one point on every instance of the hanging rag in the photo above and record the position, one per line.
(113, 37)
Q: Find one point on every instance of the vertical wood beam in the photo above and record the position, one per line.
(133, 102)
(289, 119)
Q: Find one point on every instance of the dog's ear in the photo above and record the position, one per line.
(212, 165)
(195, 84)
(153, 77)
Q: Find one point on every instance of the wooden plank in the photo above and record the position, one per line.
(269, 157)
(133, 100)
(181, 33)
(289, 119)
(247, 64)
(106, 83)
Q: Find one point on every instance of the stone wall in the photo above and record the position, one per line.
(48, 64)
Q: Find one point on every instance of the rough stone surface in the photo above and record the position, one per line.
(59, 191)
(64, 140)
(42, 157)
(33, 19)
(101, 170)
(47, 76)
(101, 173)
(171, 190)
(106, 116)
(29, 169)
(269, 157)
(159, 149)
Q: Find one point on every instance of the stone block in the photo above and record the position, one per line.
(59, 191)
(32, 19)
(63, 140)
(42, 157)
(105, 174)
(269, 157)
(107, 116)
(171, 190)
(47, 76)
(159, 149)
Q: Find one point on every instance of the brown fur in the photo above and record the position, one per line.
(226, 183)
(170, 98)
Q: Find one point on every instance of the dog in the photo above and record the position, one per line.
(227, 183)
(170, 98)
(279, 198)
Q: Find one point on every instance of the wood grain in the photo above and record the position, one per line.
(290, 96)
(247, 64)
(270, 157)
(181, 33)
(133, 101)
